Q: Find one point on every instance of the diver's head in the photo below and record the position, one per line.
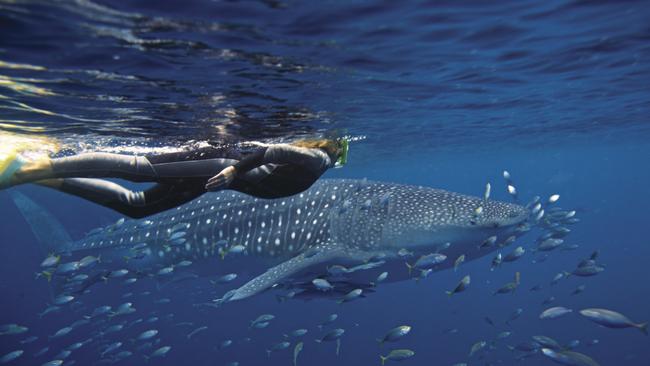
(337, 149)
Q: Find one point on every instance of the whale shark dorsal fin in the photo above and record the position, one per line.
(284, 270)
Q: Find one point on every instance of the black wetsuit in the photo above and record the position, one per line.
(266, 172)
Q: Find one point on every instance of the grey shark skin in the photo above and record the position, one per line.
(293, 240)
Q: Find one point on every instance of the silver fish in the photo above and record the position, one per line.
(612, 319)
(554, 312)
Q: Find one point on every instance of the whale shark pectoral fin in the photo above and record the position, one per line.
(282, 271)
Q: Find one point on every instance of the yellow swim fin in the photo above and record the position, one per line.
(10, 162)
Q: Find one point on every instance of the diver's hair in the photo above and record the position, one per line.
(332, 147)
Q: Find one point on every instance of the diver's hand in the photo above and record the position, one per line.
(221, 180)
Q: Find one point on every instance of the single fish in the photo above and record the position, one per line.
(296, 333)
(612, 319)
(261, 325)
(184, 263)
(382, 276)
(11, 356)
(459, 261)
(496, 262)
(578, 290)
(122, 355)
(322, 284)
(504, 335)
(569, 358)
(177, 235)
(397, 355)
(572, 344)
(51, 261)
(89, 261)
(100, 310)
(61, 332)
(352, 295)
(111, 347)
(63, 299)
(548, 300)
(195, 331)
(558, 277)
(147, 335)
(226, 278)
(330, 319)
(332, 335)
(53, 363)
(489, 242)
(486, 194)
(225, 344)
(179, 226)
(49, 309)
(404, 253)
(509, 287)
(160, 352)
(506, 176)
(264, 318)
(296, 351)
(509, 240)
(395, 334)
(424, 273)
(29, 340)
(337, 270)
(514, 255)
(549, 244)
(67, 268)
(42, 351)
(547, 342)
(278, 347)
(118, 273)
(554, 312)
(427, 261)
(166, 271)
(462, 285)
(477, 347)
(587, 271)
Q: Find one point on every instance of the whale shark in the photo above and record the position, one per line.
(361, 227)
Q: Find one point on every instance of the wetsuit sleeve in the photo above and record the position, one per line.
(250, 162)
(314, 160)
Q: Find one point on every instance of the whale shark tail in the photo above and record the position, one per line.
(50, 234)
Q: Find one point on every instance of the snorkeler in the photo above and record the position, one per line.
(268, 171)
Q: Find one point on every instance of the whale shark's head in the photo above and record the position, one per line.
(423, 217)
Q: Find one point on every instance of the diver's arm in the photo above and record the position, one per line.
(228, 174)
(313, 159)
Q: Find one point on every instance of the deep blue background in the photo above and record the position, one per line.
(443, 94)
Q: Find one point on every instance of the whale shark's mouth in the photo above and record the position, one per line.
(517, 215)
(511, 216)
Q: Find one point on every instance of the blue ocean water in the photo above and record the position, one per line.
(445, 94)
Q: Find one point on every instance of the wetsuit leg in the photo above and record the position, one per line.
(129, 167)
(134, 204)
(91, 165)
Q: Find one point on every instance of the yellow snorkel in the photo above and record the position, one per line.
(343, 157)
